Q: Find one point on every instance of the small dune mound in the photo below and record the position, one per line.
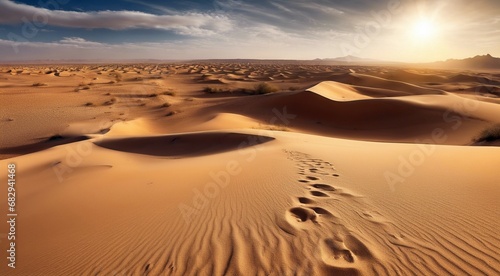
(63, 74)
(184, 145)
(470, 78)
(233, 77)
(226, 121)
(213, 79)
(337, 91)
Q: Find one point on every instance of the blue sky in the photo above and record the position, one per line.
(399, 30)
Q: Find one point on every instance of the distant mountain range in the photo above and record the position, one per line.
(477, 62)
(351, 59)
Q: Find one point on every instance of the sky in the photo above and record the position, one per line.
(392, 30)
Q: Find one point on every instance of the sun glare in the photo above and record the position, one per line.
(424, 29)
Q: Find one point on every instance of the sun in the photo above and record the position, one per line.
(424, 29)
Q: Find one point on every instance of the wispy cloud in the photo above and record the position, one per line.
(155, 7)
(282, 7)
(197, 24)
(78, 41)
(318, 8)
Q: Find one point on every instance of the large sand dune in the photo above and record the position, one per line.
(372, 172)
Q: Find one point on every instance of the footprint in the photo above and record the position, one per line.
(324, 187)
(318, 194)
(321, 211)
(357, 247)
(336, 175)
(305, 200)
(312, 177)
(339, 258)
(302, 214)
(335, 252)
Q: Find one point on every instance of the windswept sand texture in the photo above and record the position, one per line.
(137, 170)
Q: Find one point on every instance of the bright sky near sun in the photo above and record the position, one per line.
(424, 29)
(397, 30)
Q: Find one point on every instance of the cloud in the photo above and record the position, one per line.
(253, 10)
(78, 41)
(74, 48)
(317, 8)
(192, 23)
(282, 7)
(299, 17)
(154, 7)
(299, 29)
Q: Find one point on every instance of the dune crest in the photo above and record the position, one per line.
(337, 91)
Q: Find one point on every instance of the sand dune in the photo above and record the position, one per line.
(337, 91)
(413, 77)
(307, 199)
(134, 170)
(349, 114)
(471, 78)
(377, 82)
(228, 120)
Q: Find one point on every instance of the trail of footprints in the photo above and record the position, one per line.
(312, 170)
(340, 249)
(342, 226)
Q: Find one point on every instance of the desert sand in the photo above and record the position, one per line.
(183, 169)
